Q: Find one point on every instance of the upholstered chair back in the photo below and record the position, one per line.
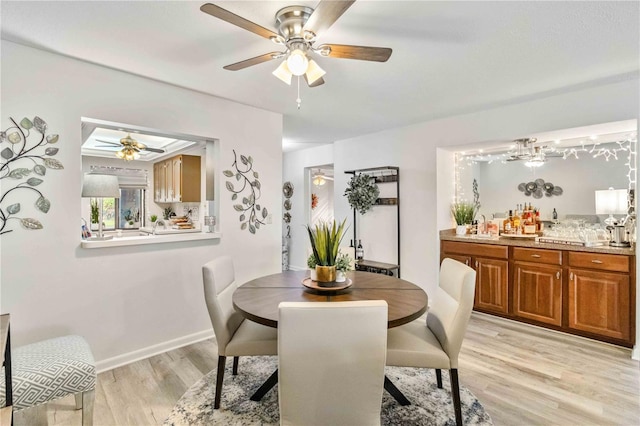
(331, 358)
(219, 284)
(451, 306)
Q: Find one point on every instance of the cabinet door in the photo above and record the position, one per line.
(156, 182)
(168, 180)
(460, 258)
(599, 303)
(491, 285)
(162, 182)
(177, 178)
(537, 292)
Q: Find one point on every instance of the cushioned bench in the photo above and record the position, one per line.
(51, 369)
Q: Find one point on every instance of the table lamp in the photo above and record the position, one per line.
(100, 186)
(611, 201)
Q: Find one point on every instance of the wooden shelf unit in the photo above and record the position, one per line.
(382, 175)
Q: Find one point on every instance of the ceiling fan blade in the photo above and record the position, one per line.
(110, 143)
(107, 146)
(364, 53)
(158, 150)
(253, 61)
(239, 21)
(316, 83)
(325, 14)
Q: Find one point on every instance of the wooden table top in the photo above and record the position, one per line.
(258, 299)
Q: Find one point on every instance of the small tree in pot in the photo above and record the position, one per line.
(463, 213)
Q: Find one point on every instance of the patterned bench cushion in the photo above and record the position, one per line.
(48, 370)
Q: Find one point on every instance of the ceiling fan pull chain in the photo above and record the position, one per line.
(298, 100)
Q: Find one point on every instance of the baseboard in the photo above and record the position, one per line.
(296, 268)
(149, 351)
(635, 353)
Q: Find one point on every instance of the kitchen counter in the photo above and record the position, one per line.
(136, 240)
(450, 235)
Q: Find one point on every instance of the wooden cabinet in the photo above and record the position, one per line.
(537, 285)
(591, 294)
(492, 272)
(177, 179)
(600, 297)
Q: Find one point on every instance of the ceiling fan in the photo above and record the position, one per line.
(129, 148)
(534, 156)
(298, 27)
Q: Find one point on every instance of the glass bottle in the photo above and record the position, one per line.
(359, 251)
(507, 223)
(555, 214)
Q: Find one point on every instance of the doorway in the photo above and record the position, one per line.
(320, 205)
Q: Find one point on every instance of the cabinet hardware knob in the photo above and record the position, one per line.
(466, 262)
(535, 255)
(596, 261)
(476, 263)
(571, 276)
(558, 275)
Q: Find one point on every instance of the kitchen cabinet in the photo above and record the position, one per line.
(492, 273)
(599, 297)
(573, 290)
(177, 179)
(537, 285)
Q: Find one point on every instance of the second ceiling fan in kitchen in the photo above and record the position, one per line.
(298, 27)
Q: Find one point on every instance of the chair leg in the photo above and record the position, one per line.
(235, 365)
(87, 399)
(222, 360)
(439, 378)
(78, 398)
(455, 394)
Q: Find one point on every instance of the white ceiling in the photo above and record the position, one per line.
(448, 57)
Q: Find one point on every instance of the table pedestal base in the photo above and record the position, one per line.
(273, 380)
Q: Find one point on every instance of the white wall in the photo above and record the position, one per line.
(127, 301)
(425, 202)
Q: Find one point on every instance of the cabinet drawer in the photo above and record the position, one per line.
(552, 257)
(605, 262)
(475, 249)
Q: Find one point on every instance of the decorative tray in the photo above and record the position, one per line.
(520, 236)
(332, 286)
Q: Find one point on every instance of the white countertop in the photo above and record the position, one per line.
(150, 239)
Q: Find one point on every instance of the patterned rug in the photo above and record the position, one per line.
(430, 405)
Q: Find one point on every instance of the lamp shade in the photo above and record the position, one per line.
(611, 201)
(283, 73)
(100, 186)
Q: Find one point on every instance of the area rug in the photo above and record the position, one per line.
(430, 405)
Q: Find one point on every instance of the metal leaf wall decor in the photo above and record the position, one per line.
(252, 215)
(14, 147)
(540, 188)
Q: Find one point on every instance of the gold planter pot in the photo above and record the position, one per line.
(326, 274)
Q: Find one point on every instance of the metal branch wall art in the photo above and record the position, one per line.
(247, 179)
(14, 147)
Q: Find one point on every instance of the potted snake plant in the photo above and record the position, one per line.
(325, 241)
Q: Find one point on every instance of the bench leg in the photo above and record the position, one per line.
(32, 416)
(86, 403)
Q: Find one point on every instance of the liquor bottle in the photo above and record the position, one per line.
(359, 251)
(555, 214)
(507, 223)
(515, 223)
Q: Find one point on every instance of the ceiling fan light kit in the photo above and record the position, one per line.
(297, 28)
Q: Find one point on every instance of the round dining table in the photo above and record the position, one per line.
(258, 300)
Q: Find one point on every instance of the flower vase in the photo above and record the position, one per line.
(313, 275)
(341, 276)
(326, 274)
(461, 229)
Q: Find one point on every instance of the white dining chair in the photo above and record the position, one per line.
(437, 343)
(235, 336)
(331, 358)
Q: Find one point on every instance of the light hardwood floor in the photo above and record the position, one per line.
(523, 375)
